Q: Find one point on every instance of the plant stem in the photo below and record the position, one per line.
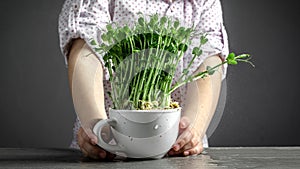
(194, 77)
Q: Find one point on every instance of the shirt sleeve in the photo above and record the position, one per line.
(82, 19)
(211, 24)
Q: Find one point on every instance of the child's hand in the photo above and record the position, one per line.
(89, 147)
(188, 142)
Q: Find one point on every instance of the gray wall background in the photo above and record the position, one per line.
(262, 103)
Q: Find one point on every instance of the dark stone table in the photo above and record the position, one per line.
(234, 157)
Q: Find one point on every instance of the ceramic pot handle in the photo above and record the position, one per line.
(97, 131)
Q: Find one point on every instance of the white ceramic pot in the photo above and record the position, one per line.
(140, 133)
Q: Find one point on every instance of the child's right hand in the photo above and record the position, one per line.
(89, 147)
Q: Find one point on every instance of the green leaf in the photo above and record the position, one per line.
(93, 42)
(231, 56)
(154, 18)
(183, 47)
(176, 24)
(232, 62)
(200, 52)
(121, 35)
(196, 51)
(126, 29)
(97, 49)
(163, 20)
(185, 71)
(243, 56)
(104, 37)
(210, 71)
(181, 30)
(141, 21)
(109, 27)
(203, 40)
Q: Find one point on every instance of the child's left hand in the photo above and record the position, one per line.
(188, 142)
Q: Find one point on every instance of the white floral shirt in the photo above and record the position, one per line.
(86, 18)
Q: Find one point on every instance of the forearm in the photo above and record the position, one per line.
(202, 97)
(86, 84)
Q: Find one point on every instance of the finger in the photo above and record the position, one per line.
(82, 136)
(192, 143)
(186, 141)
(188, 150)
(172, 152)
(183, 139)
(83, 140)
(195, 150)
(87, 153)
(87, 146)
(84, 152)
(186, 147)
(110, 156)
(93, 151)
(89, 135)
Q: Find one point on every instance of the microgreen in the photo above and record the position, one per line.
(142, 61)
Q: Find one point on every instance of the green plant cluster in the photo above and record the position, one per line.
(142, 60)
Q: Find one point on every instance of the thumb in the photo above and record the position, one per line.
(94, 140)
(92, 136)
